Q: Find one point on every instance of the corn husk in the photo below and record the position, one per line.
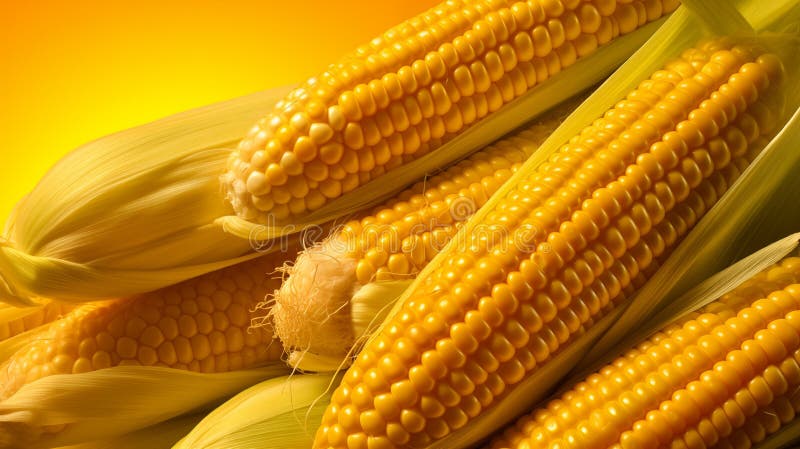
(131, 212)
(366, 311)
(786, 438)
(68, 409)
(159, 436)
(281, 413)
(9, 346)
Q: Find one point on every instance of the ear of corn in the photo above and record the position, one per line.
(83, 363)
(725, 376)
(279, 413)
(723, 18)
(487, 315)
(337, 290)
(462, 75)
(124, 214)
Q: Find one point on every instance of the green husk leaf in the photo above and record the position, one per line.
(719, 284)
(583, 74)
(68, 409)
(160, 436)
(722, 17)
(124, 214)
(280, 413)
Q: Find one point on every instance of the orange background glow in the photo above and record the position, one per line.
(75, 71)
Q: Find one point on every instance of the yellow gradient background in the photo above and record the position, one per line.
(75, 71)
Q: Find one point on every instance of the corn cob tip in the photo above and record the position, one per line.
(311, 310)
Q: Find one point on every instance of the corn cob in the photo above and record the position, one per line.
(627, 188)
(405, 93)
(201, 325)
(723, 377)
(313, 308)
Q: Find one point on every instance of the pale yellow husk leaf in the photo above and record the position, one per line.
(131, 212)
(281, 413)
(159, 436)
(68, 409)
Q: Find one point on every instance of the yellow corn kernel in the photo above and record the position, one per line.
(416, 87)
(202, 325)
(628, 188)
(724, 377)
